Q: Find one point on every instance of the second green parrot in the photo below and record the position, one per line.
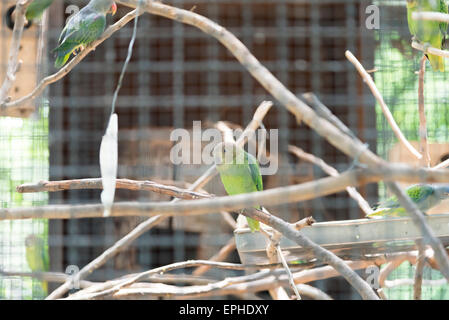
(239, 172)
(37, 256)
(428, 32)
(36, 9)
(425, 196)
(82, 29)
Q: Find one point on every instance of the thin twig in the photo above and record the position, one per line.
(353, 193)
(419, 268)
(442, 165)
(423, 143)
(221, 255)
(369, 81)
(289, 272)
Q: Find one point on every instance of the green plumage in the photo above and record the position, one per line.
(82, 29)
(37, 256)
(428, 32)
(425, 196)
(36, 9)
(239, 173)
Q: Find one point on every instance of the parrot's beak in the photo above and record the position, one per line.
(113, 8)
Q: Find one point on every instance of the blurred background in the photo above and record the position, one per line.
(178, 75)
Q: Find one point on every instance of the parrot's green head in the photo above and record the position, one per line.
(228, 153)
(32, 241)
(105, 6)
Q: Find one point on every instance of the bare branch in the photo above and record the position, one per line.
(353, 193)
(95, 183)
(423, 144)
(369, 81)
(430, 15)
(275, 196)
(420, 263)
(431, 50)
(221, 255)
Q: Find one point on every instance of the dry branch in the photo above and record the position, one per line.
(96, 183)
(420, 263)
(277, 196)
(386, 111)
(423, 143)
(431, 50)
(353, 193)
(260, 281)
(221, 255)
(429, 15)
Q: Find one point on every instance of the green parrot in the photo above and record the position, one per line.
(239, 173)
(36, 9)
(82, 29)
(428, 32)
(37, 256)
(425, 196)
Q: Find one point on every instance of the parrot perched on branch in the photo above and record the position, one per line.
(82, 29)
(37, 256)
(239, 172)
(36, 9)
(425, 196)
(427, 32)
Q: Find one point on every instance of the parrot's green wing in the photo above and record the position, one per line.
(443, 25)
(81, 30)
(255, 171)
(253, 166)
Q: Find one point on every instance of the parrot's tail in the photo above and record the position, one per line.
(254, 225)
(61, 60)
(45, 287)
(436, 62)
(377, 213)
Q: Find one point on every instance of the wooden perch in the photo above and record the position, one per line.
(430, 15)
(95, 183)
(431, 50)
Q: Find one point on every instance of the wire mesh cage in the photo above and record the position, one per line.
(180, 77)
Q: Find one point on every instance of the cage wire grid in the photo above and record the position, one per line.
(178, 75)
